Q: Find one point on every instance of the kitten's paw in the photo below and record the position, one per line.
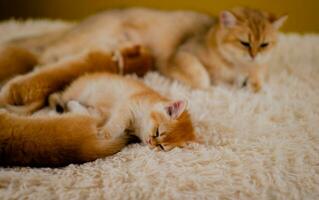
(56, 103)
(105, 133)
(76, 107)
(13, 92)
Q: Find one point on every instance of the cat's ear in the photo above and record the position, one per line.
(227, 19)
(176, 108)
(278, 22)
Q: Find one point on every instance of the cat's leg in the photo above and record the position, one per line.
(118, 123)
(60, 105)
(187, 69)
(56, 102)
(37, 85)
(76, 107)
(257, 77)
(15, 60)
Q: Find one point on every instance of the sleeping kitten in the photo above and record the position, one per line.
(187, 46)
(105, 111)
(125, 104)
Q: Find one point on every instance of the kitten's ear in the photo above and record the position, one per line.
(277, 23)
(227, 19)
(176, 108)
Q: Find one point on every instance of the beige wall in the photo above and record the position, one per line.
(303, 14)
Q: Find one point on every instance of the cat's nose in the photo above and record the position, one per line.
(252, 54)
(150, 141)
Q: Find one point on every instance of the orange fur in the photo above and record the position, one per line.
(173, 134)
(121, 104)
(220, 55)
(189, 47)
(27, 91)
(244, 47)
(15, 60)
(52, 141)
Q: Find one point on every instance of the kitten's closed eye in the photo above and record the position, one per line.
(157, 132)
(161, 146)
(245, 44)
(264, 45)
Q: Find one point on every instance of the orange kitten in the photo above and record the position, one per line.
(125, 104)
(106, 110)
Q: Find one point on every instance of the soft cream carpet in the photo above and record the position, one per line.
(258, 146)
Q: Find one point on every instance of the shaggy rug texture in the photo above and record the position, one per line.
(257, 146)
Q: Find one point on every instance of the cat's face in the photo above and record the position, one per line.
(170, 127)
(247, 36)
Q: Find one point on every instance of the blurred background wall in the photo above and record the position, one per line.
(303, 14)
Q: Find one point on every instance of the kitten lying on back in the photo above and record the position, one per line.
(106, 110)
(187, 46)
(124, 104)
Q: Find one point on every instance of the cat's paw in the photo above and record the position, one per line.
(241, 81)
(104, 132)
(13, 92)
(76, 107)
(135, 59)
(254, 85)
(56, 103)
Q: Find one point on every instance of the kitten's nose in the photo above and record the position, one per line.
(252, 54)
(151, 141)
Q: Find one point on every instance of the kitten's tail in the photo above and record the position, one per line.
(53, 140)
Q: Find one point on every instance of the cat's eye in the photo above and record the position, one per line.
(264, 45)
(245, 44)
(157, 132)
(161, 146)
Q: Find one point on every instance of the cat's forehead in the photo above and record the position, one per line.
(180, 130)
(250, 15)
(254, 24)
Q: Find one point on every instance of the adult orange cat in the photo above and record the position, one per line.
(106, 110)
(187, 46)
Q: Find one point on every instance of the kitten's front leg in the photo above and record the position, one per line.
(76, 107)
(117, 124)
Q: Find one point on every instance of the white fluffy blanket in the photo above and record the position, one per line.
(258, 146)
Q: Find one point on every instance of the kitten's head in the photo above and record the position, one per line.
(170, 126)
(247, 36)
